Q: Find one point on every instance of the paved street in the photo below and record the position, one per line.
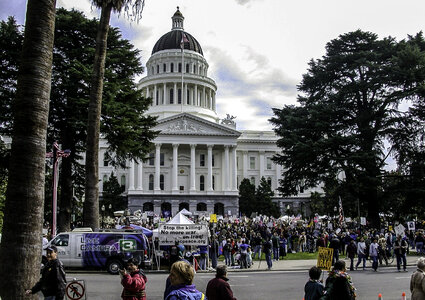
(259, 284)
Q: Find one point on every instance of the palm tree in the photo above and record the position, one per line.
(20, 250)
(133, 9)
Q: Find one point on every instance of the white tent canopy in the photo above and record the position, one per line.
(185, 212)
(180, 218)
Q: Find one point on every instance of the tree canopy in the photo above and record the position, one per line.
(349, 111)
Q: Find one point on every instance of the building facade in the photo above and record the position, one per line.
(199, 158)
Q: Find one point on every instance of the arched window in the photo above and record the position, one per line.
(164, 68)
(187, 68)
(180, 67)
(202, 183)
(123, 181)
(183, 205)
(219, 209)
(151, 181)
(269, 181)
(172, 68)
(201, 206)
(148, 206)
(171, 96)
(157, 69)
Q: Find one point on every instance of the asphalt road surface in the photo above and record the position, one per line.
(257, 285)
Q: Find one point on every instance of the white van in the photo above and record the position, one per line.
(108, 250)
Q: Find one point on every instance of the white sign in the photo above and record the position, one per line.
(363, 221)
(399, 230)
(186, 234)
(411, 225)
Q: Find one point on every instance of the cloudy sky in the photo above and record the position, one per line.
(257, 50)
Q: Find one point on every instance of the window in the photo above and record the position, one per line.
(180, 67)
(61, 240)
(212, 158)
(171, 96)
(237, 162)
(252, 163)
(164, 68)
(123, 181)
(153, 71)
(202, 160)
(187, 68)
(105, 162)
(179, 96)
(161, 182)
(151, 181)
(151, 159)
(252, 180)
(157, 69)
(269, 181)
(187, 97)
(201, 207)
(148, 206)
(172, 68)
(213, 182)
(105, 178)
(157, 97)
(269, 163)
(161, 159)
(202, 183)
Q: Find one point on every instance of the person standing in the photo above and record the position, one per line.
(373, 253)
(214, 251)
(267, 249)
(182, 287)
(417, 281)
(133, 281)
(351, 253)
(275, 244)
(361, 253)
(227, 247)
(313, 289)
(335, 244)
(400, 248)
(218, 288)
(338, 284)
(53, 279)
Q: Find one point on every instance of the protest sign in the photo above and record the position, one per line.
(324, 258)
(186, 234)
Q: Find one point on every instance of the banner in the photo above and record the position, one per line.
(324, 258)
(186, 234)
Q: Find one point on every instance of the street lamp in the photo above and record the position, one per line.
(103, 214)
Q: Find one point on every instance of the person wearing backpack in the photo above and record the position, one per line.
(339, 285)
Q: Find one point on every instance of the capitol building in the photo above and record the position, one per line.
(199, 158)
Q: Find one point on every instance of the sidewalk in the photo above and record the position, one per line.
(304, 264)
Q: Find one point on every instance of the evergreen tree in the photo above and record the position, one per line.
(263, 197)
(112, 194)
(247, 197)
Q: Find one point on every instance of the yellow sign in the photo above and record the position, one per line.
(390, 228)
(213, 218)
(324, 258)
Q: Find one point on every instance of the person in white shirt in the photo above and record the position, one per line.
(361, 253)
(373, 253)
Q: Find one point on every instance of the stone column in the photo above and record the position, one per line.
(209, 180)
(261, 164)
(192, 168)
(209, 99)
(213, 101)
(155, 101)
(175, 167)
(227, 170)
(140, 176)
(204, 98)
(234, 170)
(164, 95)
(245, 164)
(131, 176)
(157, 166)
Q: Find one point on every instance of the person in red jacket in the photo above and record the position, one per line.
(218, 288)
(133, 281)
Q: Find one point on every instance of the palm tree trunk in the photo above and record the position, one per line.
(20, 250)
(91, 204)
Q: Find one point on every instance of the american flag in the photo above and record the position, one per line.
(183, 40)
(341, 213)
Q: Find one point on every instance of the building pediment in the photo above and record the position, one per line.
(186, 124)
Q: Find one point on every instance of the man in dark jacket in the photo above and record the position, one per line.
(334, 244)
(218, 288)
(52, 283)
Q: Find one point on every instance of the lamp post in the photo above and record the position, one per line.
(103, 215)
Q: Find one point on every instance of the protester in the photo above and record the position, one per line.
(417, 281)
(214, 251)
(419, 243)
(335, 244)
(53, 279)
(373, 253)
(314, 289)
(218, 288)
(133, 281)
(361, 253)
(400, 248)
(338, 284)
(267, 249)
(182, 287)
(351, 253)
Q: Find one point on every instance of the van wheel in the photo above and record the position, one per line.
(113, 266)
